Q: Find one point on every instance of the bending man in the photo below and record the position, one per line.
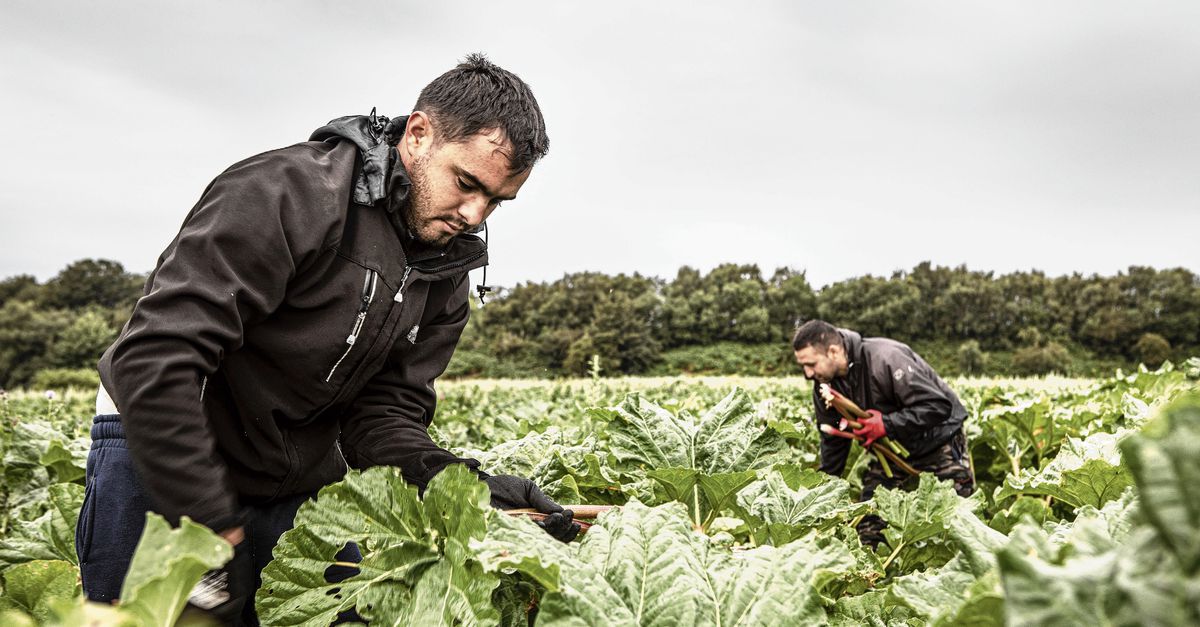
(295, 327)
(907, 400)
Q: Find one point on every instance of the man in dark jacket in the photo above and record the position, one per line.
(295, 326)
(907, 400)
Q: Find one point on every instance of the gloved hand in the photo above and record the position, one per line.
(872, 427)
(509, 492)
(221, 594)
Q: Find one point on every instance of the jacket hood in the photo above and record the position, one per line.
(374, 135)
(853, 343)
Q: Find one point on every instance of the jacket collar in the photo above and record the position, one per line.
(852, 341)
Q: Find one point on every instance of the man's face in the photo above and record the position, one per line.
(822, 364)
(456, 186)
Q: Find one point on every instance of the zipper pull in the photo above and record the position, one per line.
(404, 279)
(368, 291)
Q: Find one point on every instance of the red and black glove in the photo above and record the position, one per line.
(872, 428)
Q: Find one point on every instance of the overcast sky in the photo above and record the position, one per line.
(843, 138)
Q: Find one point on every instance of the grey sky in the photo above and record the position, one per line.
(843, 138)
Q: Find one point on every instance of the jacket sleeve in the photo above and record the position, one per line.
(227, 269)
(911, 385)
(387, 425)
(834, 450)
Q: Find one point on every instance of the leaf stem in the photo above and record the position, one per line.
(891, 557)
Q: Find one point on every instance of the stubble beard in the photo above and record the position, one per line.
(417, 210)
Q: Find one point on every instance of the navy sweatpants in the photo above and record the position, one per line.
(114, 513)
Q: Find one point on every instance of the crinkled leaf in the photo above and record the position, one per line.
(931, 523)
(166, 565)
(646, 566)
(730, 437)
(1136, 583)
(1116, 565)
(36, 587)
(872, 609)
(951, 595)
(565, 468)
(796, 476)
(414, 559)
(1085, 472)
(1094, 531)
(1165, 464)
(779, 514)
(51, 536)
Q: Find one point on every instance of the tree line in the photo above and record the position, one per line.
(732, 319)
(735, 319)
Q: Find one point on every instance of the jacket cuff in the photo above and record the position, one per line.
(471, 464)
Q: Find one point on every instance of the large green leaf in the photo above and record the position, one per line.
(1085, 472)
(729, 437)
(701, 462)
(1024, 506)
(778, 514)
(36, 587)
(929, 525)
(166, 565)
(647, 566)
(51, 536)
(37, 455)
(1165, 461)
(1040, 590)
(415, 561)
(567, 467)
(951, 595)
(872, 609)
(66, 462)
(1118, 565)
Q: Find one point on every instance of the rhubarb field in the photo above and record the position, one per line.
(1087, 512)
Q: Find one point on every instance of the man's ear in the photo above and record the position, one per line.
(835, 350)
(418, 135)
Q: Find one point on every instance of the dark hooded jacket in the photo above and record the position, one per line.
(919, 410)
(292, 328)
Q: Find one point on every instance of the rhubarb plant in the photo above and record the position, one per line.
(701, 461)
(647, 566)
(416, 565)
(1085, 472)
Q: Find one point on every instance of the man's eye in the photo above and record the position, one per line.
(463, 185)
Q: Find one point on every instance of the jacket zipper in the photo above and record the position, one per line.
(403, 280)
(368, 295)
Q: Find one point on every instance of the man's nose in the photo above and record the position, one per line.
(808, 372)
(473, 211)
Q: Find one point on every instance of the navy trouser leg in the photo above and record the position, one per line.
(113, 513)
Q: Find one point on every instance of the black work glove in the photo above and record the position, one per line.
(222, 593)
(509, 492)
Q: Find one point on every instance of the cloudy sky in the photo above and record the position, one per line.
(843, 138)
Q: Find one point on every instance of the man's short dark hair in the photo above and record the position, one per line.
(817, 334)
(479, 96)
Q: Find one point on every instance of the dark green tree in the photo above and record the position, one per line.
(95, 282)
